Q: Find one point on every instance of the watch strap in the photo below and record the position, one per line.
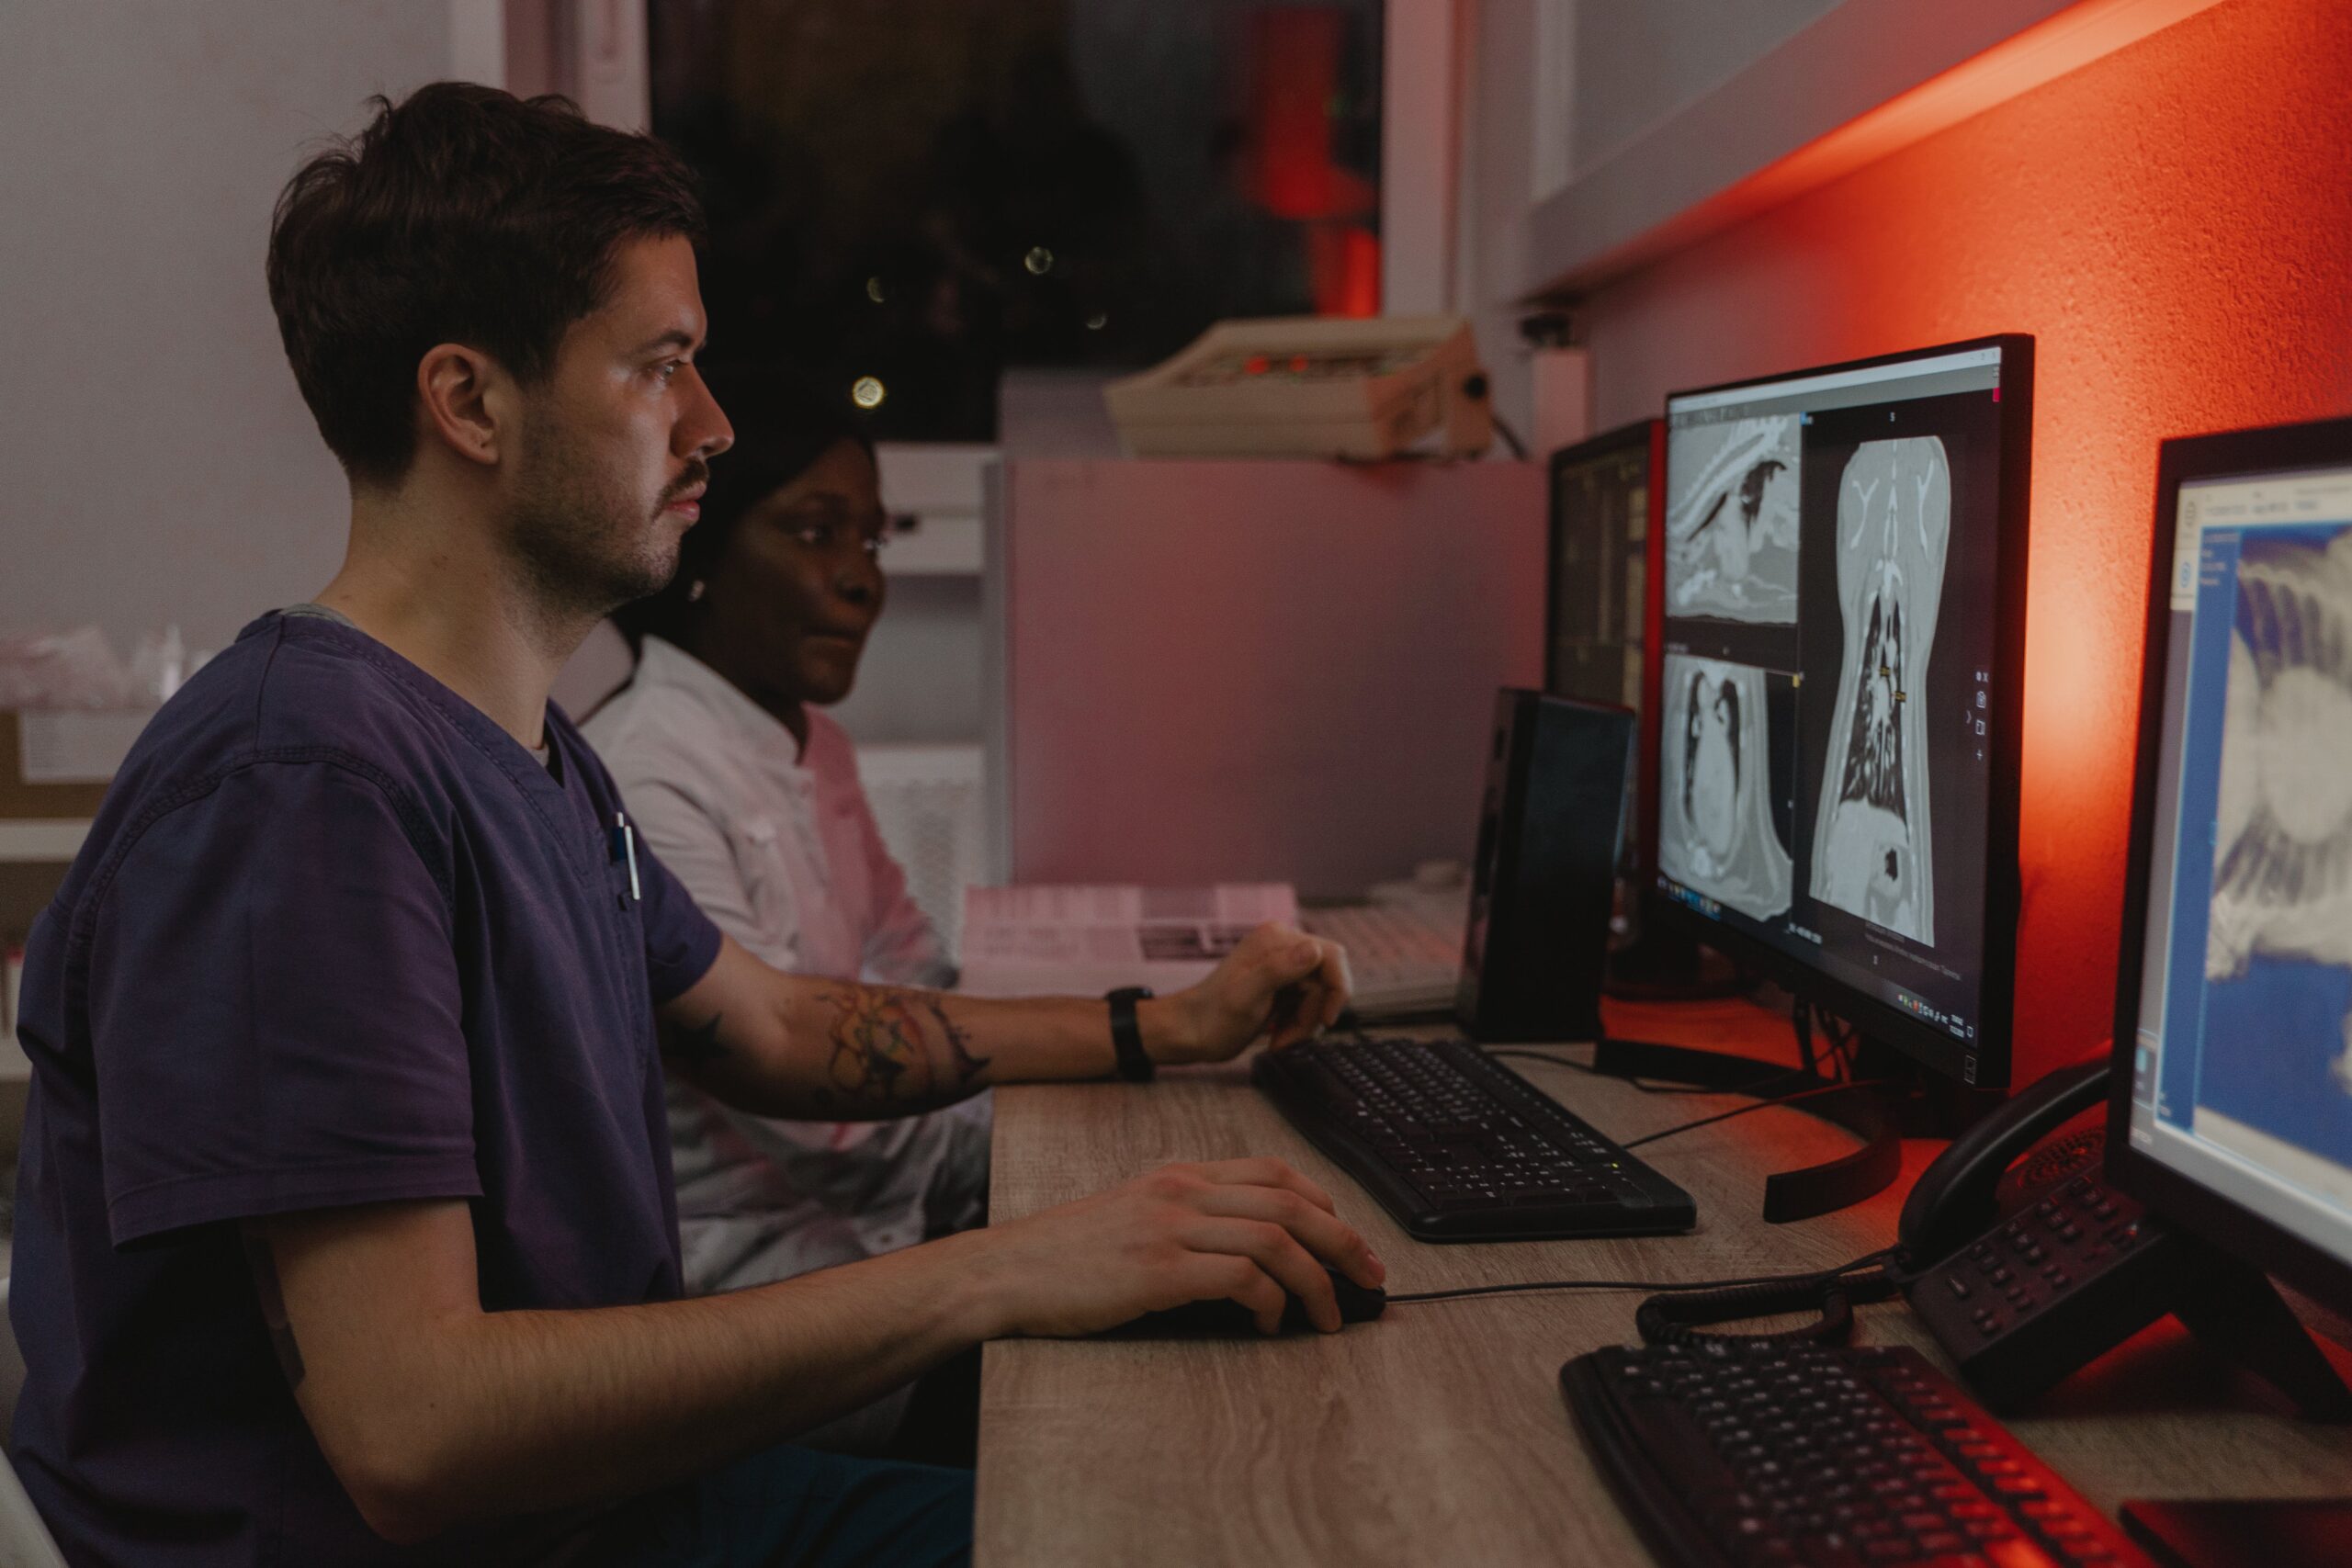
(1126, 1034)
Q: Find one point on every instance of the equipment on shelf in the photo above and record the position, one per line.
(1310, 387)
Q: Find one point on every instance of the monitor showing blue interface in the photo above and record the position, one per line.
(2242, 1078)
(1831, 790)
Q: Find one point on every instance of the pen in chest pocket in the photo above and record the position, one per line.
(625, 850)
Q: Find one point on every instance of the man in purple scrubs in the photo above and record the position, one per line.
(345, 1232)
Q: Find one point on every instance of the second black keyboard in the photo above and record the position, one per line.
(1814, 1456)
(1458, 1147)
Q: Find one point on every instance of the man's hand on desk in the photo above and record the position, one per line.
(1248, 1229)
(1278, 981)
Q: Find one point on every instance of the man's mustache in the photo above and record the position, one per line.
(698, 473)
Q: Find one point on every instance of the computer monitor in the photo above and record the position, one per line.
(1599, 605)
(1841, 646)
(2232, 1107)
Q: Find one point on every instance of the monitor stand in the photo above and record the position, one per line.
(2267, 1533)
(1811, 1190)
(1663, 965)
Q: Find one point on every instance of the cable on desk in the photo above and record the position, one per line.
(1758, 1105)
(1843, 1037)
(1657, 1287)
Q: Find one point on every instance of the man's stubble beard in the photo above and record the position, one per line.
(581, 547)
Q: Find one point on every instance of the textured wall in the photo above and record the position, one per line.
(158, 463)
(2174, 223)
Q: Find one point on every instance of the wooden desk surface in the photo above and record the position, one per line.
(1437, 1435)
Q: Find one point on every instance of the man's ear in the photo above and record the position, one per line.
(464, 406)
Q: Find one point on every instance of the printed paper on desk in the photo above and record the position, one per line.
(1085, 940)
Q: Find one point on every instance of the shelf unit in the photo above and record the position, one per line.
(42, 840)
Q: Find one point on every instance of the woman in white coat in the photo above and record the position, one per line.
(749, 794)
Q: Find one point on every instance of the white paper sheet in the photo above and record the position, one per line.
(1049, 941)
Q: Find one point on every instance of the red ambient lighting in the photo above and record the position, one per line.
(2173, 223)
(1294, 67)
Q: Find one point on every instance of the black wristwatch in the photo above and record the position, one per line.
(1126, 1036)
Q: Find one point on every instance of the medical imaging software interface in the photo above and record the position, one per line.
(2243, 1065)
(1830, 605)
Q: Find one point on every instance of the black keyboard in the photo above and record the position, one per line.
(1458, 1147)
(1823, 1457)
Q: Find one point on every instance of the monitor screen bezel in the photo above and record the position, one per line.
(1934, 1048)
(2181, 1199)
(1647, 435)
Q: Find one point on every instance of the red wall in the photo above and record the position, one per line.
(2174, 224)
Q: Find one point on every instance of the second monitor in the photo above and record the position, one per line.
(1843, 640)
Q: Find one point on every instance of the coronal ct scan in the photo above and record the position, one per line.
(1731, 521)
(1870, 846)
(1715, 831)
(2282, 843)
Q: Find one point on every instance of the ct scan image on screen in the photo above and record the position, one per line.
(1718, 831)
(2242, 1071)
(1865, 860)
(2277, 1048)
(1869, 848)
(1731, 521)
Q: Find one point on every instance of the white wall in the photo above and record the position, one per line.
(1637, 62)
(1498, 137)
(156, 463)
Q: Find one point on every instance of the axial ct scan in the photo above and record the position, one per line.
(1715, 831)
(1731, 521)
(1871, 847)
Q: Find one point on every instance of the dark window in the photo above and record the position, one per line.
(907, 197)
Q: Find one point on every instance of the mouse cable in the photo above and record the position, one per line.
(1760, 1105)
(1658, 1286)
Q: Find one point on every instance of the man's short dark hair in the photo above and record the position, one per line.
(462, 214)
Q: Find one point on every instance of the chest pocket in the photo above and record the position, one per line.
(766, 861)
(626, 920)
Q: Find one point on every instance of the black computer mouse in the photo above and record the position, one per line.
(1358, 1304)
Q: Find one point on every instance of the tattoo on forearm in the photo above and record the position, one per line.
(969, 1067)
(882, 1053)
(697, 1046)
(877, 1043)
(272, 1299)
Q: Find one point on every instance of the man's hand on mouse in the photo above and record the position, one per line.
(1246, 1229)
(1279, 982)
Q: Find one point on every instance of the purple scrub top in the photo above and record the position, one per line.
(336, 937)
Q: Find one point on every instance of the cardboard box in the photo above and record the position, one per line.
(58, 764)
